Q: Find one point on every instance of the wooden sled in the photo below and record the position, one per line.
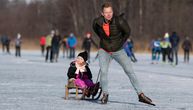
(71, 86)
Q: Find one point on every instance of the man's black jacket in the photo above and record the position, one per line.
(119, 32)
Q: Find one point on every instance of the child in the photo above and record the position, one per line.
(81, 73)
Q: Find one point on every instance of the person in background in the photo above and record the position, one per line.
(42, 44)
(71, 43)
(48, 45)
(174, 40)
(156, 50)
(18, 42)
(65, 47)
(86, 45)
(128, 47)
(3, 42)
(7, 44)
(55, 46)
(166, 48)
(187, 47)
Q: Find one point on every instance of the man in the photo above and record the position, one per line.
(49, 45)
(174, 40)
(56, 45)
(113, 32)
(187, 47)
(5, 43)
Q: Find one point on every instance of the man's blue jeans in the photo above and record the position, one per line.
(122, 58)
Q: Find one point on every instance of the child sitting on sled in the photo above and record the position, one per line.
(80, 73)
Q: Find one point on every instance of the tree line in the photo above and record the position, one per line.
(148, 19)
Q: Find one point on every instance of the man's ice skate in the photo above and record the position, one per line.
(145, 99)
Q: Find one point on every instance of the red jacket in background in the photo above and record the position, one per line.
(43, 40)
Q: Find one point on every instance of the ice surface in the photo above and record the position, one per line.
(29, 83)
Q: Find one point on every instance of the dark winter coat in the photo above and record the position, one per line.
(72, 70)
(174, 39)
(56, 40)
(5, 40)
(56, 43)
(87, 43)
(187, 45)
(119, 32)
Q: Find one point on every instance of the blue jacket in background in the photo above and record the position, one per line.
(156, 46)
(71, 41)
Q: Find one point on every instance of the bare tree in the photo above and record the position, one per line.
(148, 19)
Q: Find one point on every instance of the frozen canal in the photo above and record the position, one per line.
(29, 83)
